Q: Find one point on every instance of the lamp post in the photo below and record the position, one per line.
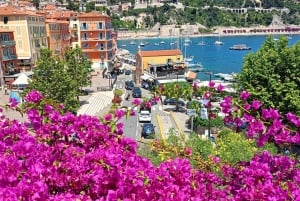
(209, 126)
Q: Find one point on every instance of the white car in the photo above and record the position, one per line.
(144, 116)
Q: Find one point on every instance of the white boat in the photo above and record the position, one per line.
(132, 42)
(162, 42)
(187, 40)
(123, 45)
(201, 43)
(219, 42)
(141, 44)
(157, 44)
(195, 67)
(187, 58)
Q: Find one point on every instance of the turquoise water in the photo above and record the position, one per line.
(214, 58)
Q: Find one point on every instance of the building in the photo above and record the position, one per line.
(96, 38)
(159, 63)
(29, 33)
(58, 36)
(8, 56)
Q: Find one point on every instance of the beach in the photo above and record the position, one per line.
(167, 31)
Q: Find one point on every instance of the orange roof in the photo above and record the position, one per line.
(91, 14)
(154, 53)
(10, 10)
(49, 7)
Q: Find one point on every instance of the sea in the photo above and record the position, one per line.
(214, 58)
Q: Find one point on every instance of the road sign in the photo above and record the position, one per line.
(191, 112)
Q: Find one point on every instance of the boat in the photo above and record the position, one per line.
(141, 44)
(219, 42)
(157, 44)
(162, 42)
(189, 58)
(195, 67)
(187, 40)
(132, 42)
(201, 43)
(240, 47)
(124, 45)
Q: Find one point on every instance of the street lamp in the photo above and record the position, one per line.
(209, 126)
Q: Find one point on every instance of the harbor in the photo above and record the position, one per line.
(213, 58)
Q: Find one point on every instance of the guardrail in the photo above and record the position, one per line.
(104, 88)
(182, 135)
(162, 132)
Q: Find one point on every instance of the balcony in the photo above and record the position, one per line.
(74, 27)
(8, 43)
(9, 57)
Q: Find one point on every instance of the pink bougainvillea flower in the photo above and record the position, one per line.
(220, 88)
(33, 96)
(244, 95)
(108, 117)
(136, 101)
(211, 84)
(13, 102)
(256, 104)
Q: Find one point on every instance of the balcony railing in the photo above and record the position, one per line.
(8, 43)
(9, 57)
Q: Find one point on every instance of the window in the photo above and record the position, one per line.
(18, 31)
(85, 45)
(5, 19)
(84, 26)
(20, 44)
(100, 25)
(100, 35)
(85, 37)
(17, 17)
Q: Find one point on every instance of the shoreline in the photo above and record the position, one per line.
(209, 35)
(171, 32)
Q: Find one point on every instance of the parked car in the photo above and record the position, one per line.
(144, 116)
(173, 101)
(127, 72)
(148, 131)
(136, 92)
(129, 85)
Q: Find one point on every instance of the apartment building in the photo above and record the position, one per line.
(58, 36)
(97, 38)
(29, 32)
(8, 56)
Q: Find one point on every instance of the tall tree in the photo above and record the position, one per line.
(61, 80)
(272, 75)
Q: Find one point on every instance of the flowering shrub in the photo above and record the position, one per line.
(57, 156)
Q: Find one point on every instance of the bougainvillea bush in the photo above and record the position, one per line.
(63, 157)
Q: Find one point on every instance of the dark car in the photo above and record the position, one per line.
(127, 72)
(136, 92)
(148, 131)
(129, 85)
(173, 101)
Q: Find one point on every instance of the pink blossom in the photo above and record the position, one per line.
(211, 84)
(244, 95)
(220, 88)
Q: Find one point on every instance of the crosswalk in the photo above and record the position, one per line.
(96, 103)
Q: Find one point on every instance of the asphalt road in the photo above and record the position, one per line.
(132, 127)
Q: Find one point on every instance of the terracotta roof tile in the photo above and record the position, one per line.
(10, 10)
(91, 14)
(153, 53)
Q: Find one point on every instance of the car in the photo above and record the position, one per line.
(127, 72)
(148, 131)
(173, 101)
(144, 116)
(129, 85)
(136, 92)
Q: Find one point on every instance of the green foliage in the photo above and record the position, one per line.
(61, 80)
(235, 147)
(200, 147)
(118, 92)
(90, 6)
(272, 75)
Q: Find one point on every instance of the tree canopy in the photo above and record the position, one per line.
(61, 79)
(272, 75)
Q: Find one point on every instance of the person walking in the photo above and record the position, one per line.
(5, 91)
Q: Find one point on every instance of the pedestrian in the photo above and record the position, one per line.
(5, 91)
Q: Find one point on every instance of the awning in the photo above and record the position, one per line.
(24, 57)
(146, 77)
(191, 75)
